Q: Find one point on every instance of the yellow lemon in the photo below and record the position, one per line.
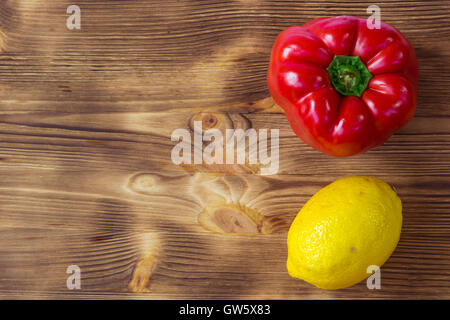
(346, 227)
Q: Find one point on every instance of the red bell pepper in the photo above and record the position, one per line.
(345, 88)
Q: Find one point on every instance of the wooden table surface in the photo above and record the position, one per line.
(86, 176)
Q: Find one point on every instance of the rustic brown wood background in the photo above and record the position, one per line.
(85, 171)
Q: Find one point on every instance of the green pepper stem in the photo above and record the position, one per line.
(349, 75)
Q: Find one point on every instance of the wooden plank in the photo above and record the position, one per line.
(140, 57)
(142, 140)
(103, 235)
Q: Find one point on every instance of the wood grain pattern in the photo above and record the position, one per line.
(86, 176)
